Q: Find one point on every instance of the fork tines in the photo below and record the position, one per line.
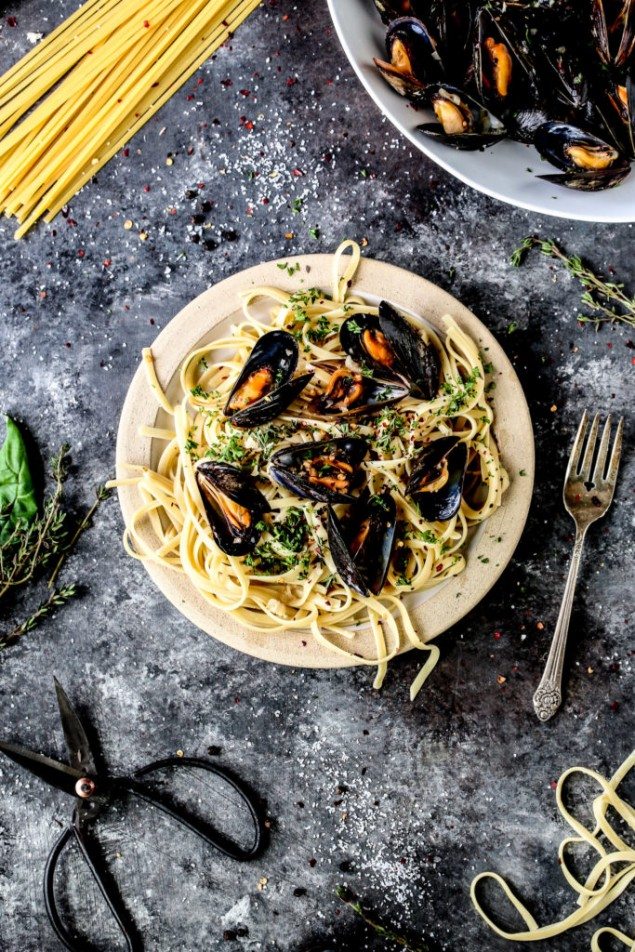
(599, 475)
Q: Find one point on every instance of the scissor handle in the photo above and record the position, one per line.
(193, 823)
(106, 885)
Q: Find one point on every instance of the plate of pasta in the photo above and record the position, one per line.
(325, 462)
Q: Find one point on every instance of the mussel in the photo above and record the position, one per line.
(390, 345)
(362, 542)
(266, 385)
(436, 482)
(351, 391)
(463, 122)
(325, 470)
(233, 504)
(413, 57)
(588, 162)
(613, 27)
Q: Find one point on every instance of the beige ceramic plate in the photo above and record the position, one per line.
(209, 316)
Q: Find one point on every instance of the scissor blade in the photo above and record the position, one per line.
(79, 753)
(52, 771)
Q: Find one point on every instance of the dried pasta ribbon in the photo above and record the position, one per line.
(611, 875)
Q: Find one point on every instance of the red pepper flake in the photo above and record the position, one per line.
(553, 784)
(291, 81)
(633, 361)
(615, 705)
(107, 262)
(126, 153)
(439, 568)
(146, 24)
(200, 184)
(245, 92)
(80, 253)
(146, 188)
(297, 172)
(11, 21)
(497, 635)
(227, 83)
(172, 210)
(285, 17)
(199, 81)
(247, 123)
(41, 295)
(264, 200)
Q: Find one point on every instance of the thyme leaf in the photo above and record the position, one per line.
(607, 300)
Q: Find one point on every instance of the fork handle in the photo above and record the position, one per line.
(548, 696)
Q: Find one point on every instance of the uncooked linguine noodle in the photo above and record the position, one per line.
(289, 581)
(610, 876)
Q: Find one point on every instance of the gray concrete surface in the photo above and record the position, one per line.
(401, 802)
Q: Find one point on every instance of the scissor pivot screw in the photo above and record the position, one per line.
(85, 788)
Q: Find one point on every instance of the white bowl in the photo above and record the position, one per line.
(501, 171)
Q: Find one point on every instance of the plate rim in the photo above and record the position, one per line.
(297, 647)
(596, 216)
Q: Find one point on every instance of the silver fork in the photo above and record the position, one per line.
(587, 495)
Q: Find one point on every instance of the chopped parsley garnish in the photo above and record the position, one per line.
(228, 449)
(198, 391)
(322, 329)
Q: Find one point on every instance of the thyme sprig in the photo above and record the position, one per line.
(380, 930)
(606, 299)
(56, 598)
(37, 549)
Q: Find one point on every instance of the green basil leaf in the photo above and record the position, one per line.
(17, 497)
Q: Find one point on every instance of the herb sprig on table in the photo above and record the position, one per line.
(35, 538)
(606, 299)
(383, 932)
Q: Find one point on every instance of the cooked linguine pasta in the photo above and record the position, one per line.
(289, 579)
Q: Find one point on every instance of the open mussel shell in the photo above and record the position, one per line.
(266, 386)
(325, 470)
(350, 392)
(570, 148)
(590, 181)
(502, 74)
(613, 29)
(412, 58)
(436, 483)
(233, 504)
(362, 339)
(362, 542)
(463, 122)
(419, 361)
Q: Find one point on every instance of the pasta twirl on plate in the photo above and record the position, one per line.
(288, 579)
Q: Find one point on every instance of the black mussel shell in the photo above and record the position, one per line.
(362, 542)
(436, 483)
(362, 339)
(522, 124)
(613, 28)
(325, 471)
(350, 391)
(412, 51)
(266, 386)
(464, 123)
(590, 181)
(419, 361)
(572, 149)
(233, 503)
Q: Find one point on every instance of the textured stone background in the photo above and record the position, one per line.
(403, 803)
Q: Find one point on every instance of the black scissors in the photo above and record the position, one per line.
(95, 791)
